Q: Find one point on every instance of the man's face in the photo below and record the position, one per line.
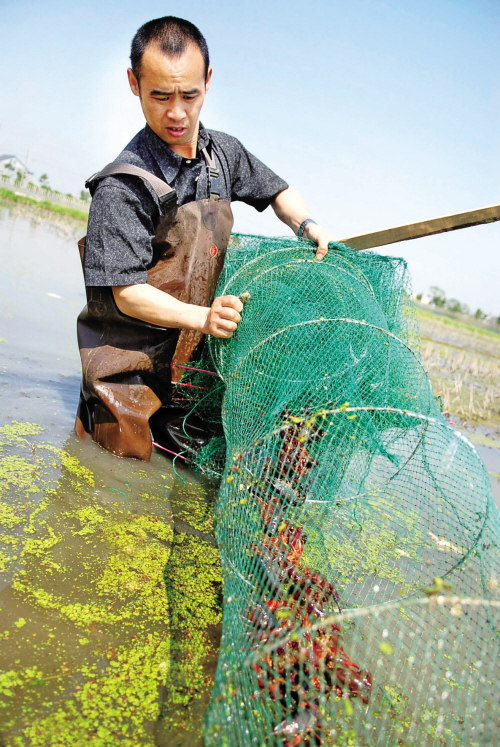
(172, 91)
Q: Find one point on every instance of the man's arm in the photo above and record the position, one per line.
(119, 248)
(290, 208)
(257, 185)
(145, 302)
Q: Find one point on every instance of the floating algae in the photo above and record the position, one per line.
(91, 651)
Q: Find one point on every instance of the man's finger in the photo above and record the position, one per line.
(220, 327)
(220, 331)
(232, 302)
(226, 324)
(229, 313)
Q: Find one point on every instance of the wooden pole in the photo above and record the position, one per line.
(425, 228)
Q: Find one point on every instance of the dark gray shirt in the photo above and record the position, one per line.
(125, 209)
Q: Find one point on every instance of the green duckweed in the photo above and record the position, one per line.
(111, 625)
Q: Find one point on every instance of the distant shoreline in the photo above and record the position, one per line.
(8, 195)
(459, 321)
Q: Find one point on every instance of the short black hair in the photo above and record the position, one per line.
(172, 36)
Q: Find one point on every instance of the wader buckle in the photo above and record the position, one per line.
(168, 200)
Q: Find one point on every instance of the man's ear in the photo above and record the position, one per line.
(133, 82)
(208, 78)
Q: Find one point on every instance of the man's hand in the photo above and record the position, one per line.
(320, 236)
(290, 207)
(223, 316)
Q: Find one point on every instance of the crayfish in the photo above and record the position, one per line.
(297, 670)
(294, 458)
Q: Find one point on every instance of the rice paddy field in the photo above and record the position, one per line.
(110, 583)
(463, 362)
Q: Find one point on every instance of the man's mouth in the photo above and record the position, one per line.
(176, 131)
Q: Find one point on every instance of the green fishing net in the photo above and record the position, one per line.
(356, 526)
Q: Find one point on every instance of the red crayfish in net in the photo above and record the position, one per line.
(303, 661)
(298, 670)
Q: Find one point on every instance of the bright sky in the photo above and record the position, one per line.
(381, 112)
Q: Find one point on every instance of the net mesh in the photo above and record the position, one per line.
(356, 526)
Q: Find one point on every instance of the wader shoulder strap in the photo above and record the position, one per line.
(213, 175)
(167, 196)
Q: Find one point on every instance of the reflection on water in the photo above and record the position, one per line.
(109, 576)
(41, 293)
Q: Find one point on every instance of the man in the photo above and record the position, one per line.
(159, 225)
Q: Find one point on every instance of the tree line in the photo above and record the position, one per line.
(439, 300)
(43, 182)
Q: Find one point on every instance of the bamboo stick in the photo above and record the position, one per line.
(425, 228)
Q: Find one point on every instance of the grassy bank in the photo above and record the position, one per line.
(463, 360)
(459, 322)
(10, 196)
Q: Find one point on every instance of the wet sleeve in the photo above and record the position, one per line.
(252, 181)
(118, 248)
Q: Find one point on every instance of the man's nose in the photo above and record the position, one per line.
(176, 111)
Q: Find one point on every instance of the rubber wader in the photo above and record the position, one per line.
(128, 365)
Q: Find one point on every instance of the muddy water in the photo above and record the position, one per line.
(41, 290)
(110, 583)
